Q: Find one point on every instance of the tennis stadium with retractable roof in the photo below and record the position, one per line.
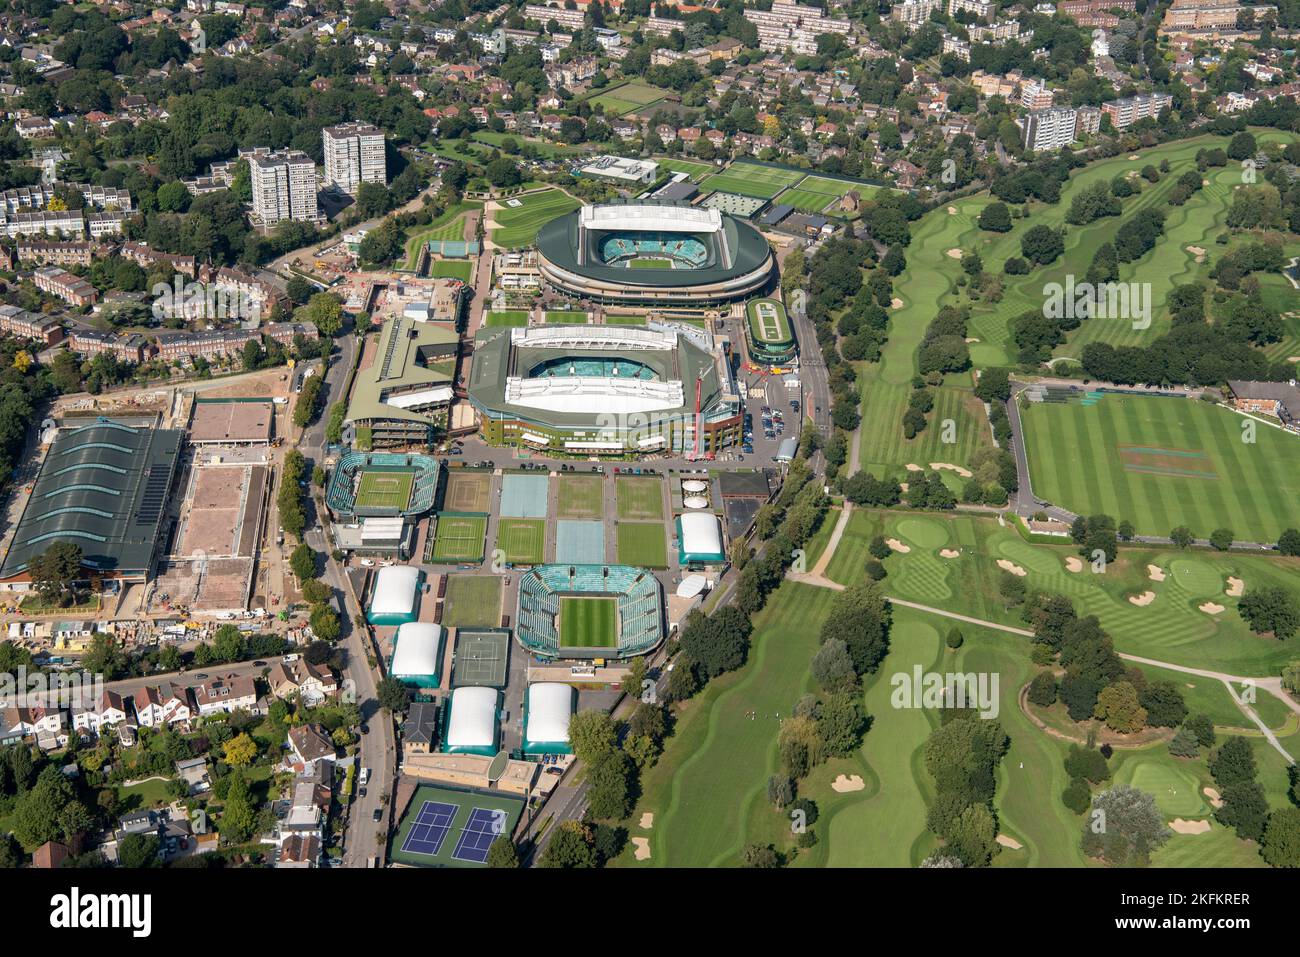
(605, 390)
(653, 253)
(445, 827)
(104, 487)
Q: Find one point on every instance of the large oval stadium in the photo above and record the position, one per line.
(648, 253)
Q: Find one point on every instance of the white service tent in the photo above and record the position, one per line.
(473, 722)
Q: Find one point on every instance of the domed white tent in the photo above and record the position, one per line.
(417, 654)
(471, 724)
(394, 599)
(547, 712)
(700, 538)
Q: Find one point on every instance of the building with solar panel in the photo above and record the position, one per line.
(104, 486)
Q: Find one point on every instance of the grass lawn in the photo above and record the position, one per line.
(522, 539)
(808, 201)
(639, 499)
(387, 490)
(472, 601)
(566, 316)
(545, 149)
(1161, 462)
(619, 100)
(461, 269)
(643, 263)
(611, 320)
(143, 795)
(1171, 628)
(580, 496)
(517, 225)
(716, 764)
(696, 171)
(506, 317)
(459, 538)
(588, 622)
(768, 323)
(749, 179)
(642, 544)
(450, 225)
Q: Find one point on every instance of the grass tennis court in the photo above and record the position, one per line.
(506, 317)
(566, 316)
(443, 827)
(517, 225)
(1164, 462)
(467, 492)
(522, 539)
(696, 171)
(619, 100)
(459, 538)
(385, 490)
(750, 179)
(639, 499)
(579, 496)
(806, 201)
(472, 601)
(588, 622)
(641, 544)
(461, 269)
(643, 263)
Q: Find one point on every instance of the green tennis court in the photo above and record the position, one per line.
(385, 489)
(522, 539)
(588, 622)
(459, 538)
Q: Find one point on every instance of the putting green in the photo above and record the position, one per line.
(1175, 788)
(1038, 561)
(923, 532)
(1196, 578)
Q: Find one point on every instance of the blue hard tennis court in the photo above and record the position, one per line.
(484, 827)
(430, 828)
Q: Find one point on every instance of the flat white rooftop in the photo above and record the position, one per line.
(650, 216)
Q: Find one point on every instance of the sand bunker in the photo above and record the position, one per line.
(897, 546)
(913, 467)
(1205, 182)
(1134, 156)
(647, 820)
(1074, 564)
(964, 473)
(1211, 608)
(948, 553)
(1146, 598)
(1236, 587)
(1006, 840)
(952, 210)
(1155, 573)
(1180, 826)
(1198, 252)
(846, 783)
(1213, 795)
(954, 253)
(1009, 566)
(895, 303)
(903, 486)
(971, 339)
(642, 845)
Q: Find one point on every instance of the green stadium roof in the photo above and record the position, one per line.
(405, 346)
(105, 487)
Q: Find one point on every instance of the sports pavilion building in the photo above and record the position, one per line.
(653, 253)
(401, 398)
(605, 390)
(103, 486)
